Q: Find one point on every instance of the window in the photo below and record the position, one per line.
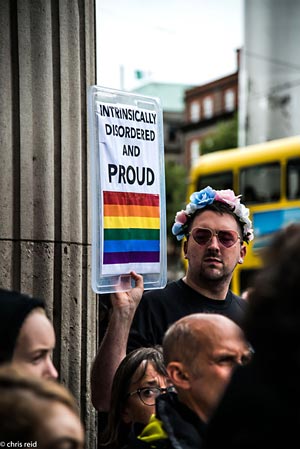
(229, 100)
(208, 107)
(195, 152)
(172, 133)
(195, 111)
(293, 179)
(218, 181)
(260, 184)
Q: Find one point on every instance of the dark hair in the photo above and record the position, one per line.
(14, 309)
(272, 322)
(219, 208)
(115, 436)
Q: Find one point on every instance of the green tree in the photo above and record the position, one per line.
(225, 137)
(175, 192)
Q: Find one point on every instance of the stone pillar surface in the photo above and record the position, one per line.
(47, 62)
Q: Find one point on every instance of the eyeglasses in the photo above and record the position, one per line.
(204, 235)
(148, 394)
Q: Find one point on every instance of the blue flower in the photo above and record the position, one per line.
(203, 198)
(177, 229)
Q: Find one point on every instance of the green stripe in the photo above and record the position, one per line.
(131, 234)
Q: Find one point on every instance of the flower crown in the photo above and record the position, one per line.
(207, 196)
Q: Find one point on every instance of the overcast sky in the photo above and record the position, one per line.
(173, 41)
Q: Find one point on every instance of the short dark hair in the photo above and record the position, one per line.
(14, 309)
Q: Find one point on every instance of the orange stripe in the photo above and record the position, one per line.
(119, 210)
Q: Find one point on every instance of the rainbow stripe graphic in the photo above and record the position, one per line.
(131, 228)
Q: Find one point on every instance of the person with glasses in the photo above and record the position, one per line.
(200, 351)
(139, 380)
(215, 228)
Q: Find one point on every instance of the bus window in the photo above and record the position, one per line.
(218, 181)
(293, 179)
(260, 183)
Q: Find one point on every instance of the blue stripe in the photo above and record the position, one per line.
(117, 246)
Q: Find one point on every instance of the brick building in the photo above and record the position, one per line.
(205, 107)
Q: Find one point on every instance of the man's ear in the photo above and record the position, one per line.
(185, 248)
(178, 375)
(242, 254)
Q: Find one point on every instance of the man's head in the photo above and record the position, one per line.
(200, 352)
(215, 225)
(220, 201)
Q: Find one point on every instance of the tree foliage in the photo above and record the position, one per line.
(175, 192)
(225, 137)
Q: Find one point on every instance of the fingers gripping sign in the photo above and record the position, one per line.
(130, 299)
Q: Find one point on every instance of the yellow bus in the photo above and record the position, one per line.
(268, 177)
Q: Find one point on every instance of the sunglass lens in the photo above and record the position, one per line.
(227, 238)
(201, 236)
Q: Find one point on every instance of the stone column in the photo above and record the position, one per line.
(47, 61)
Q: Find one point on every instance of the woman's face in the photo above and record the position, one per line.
(135, 410)
(34, 346)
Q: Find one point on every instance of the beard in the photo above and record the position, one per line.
(212, 269)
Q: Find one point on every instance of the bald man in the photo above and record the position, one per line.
(200, 351)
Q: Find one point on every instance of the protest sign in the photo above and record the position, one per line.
(128, 183)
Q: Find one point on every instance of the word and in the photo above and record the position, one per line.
(131, 150)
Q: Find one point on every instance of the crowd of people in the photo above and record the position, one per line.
(189, 366)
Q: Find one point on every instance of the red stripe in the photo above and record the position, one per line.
(127, 198)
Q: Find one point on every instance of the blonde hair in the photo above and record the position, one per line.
(23, 401)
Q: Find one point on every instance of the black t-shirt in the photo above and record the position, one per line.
(159, 309)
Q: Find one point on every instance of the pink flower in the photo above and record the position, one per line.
(227, 196)
(181, 217)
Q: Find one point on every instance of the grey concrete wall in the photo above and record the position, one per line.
(47, 61)
(269, 102)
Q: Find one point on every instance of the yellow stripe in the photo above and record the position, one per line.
(131, 222)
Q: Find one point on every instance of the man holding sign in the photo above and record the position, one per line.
(216, 226)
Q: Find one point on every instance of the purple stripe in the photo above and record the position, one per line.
(132, 256)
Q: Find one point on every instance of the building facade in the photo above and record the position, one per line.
(205, 107)
(171, 96)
